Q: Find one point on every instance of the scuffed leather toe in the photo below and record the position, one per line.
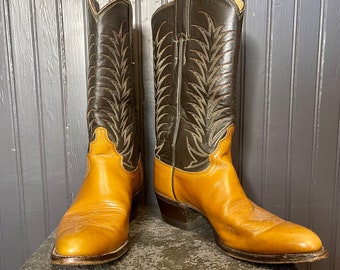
(89, 241)
(93, 229)
(291, 238)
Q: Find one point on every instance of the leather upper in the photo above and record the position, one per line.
(98, 220)
(196, 44)
(196, 47)
(111, 97)
(239, 223)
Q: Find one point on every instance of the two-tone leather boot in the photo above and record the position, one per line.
(95, 228)
(196, 44)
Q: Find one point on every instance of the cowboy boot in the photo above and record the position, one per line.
(196, 45)
(95, 228)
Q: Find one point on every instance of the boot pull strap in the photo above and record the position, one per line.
(182, 18)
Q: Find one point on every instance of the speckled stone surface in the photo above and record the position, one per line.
(157, 245)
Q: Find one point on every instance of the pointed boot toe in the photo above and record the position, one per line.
(95, 228)
(280, 246)
(283, 243)
(91, 234)
(89, 245)
(196, 48)
(292, 238)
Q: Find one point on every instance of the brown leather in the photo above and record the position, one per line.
(196, 45)
(195, 74)
(95, 228)
(111, 95)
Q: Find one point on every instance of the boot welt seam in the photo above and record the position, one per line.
(58, 259)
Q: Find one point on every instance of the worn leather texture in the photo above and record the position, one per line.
(196, 45)
(196, 48)
(111, 102)
(239, 223)
(95, 228)
(97, 222)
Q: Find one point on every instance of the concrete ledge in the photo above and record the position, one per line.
(157, 245)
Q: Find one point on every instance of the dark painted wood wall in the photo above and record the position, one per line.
(287, 145)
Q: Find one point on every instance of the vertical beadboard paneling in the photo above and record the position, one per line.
(267, 98)
(303, 110)
(73, 19)
(302, 121)
(27, 92)
(327, 127)
(292, 89)
(2, 255)
(335, 233)
(320, 185)
(292, 99)
(12, 223)
(54, 177)
(254, 96)
(39, 114)
(277, 114)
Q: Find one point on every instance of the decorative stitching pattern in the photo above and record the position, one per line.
(162, 59)
(110, 93)
(211, 101)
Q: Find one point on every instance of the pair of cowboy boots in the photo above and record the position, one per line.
(196, 45)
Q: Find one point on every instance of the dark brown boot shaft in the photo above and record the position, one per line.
(111, 97)
(196, 45)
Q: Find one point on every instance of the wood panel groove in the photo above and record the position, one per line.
(75, 103)
(2, 255)
(291, 108)
(85, 22)
(63, 92)
(2, 66)
(255, 67)
(317, 105)
(15, 125)
(41, 134)
(267, 95)
(27, 121)
(336, 201)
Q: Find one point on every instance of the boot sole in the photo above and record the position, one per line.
(183, 216)
(57, 259)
